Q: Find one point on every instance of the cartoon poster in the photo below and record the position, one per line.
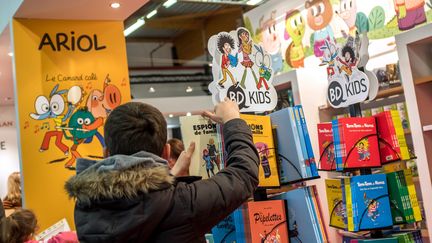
(241, 71)
(292, 32)
(69, 76)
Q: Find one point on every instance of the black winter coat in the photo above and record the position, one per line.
(115, 206)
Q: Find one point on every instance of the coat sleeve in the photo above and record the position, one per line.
(213, 199)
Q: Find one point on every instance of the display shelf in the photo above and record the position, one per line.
(427, 128)
(422, 80)
(384, 93)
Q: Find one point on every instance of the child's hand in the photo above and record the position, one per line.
(224, 112)
(181, 167)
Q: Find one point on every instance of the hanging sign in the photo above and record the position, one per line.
(241, 71)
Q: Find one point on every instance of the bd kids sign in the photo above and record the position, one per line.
(241, 71)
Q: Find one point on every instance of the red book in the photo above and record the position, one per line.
(326, 147)
(389, 145)
(268, 221)
(359, 140)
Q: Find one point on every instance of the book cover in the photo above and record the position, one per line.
(302, 227)
(372, 201)
(401, 107)
(224, 231)
(326, 146)
(293, 167)
(262, 133)
(311, 156)
(239, 223)
(359, 142)
(207, 158)
(412, 195)
(398, 209)
(268, 221)
(409, 213)
(334, 201)
(400, 135)
(302, 141)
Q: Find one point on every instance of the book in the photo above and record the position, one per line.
(207, 160)
(308, 143)
(392, 141)
(53, 230)
(376, 110)
(326, 146)
(239, 223)
(292, 161)
(398, 203)
(316, 209)
(302, 226)
(370, 201)
(224, 231)
(412, 195)
(384, 240)
(262, 133)
(334, 201)
(356, 143)
(403, 114)
(267, 221)
(302, 141)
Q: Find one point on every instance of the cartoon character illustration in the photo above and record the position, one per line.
(263, 62)
(208, 163)
(213, 152)
(271, 41)
(225, 44)
(330, 53)
(271, 237)
(363, 150)
(101, 103)
(339, 207)
(82, 125)
(319, 16)
(329, 152)
(348, 12)
(245, 47)
(264, 153)
(295, 28)
(372, 207)
(409, 13)
(54, 109)
(348, 60)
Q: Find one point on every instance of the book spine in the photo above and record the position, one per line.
(297, 142)
(412, 195)
(315, 215)
(409, 209)
(336, 143)
(344, 204)
(311, 212)
(396, 205)
(403, 198)
(400, 136)
(314, 170)
(302, 141)
(349, 205)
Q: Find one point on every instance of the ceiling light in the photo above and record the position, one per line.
(10, 54)
(188, 114)
(189, 89)
(152, 90)
(170, 115)
(140, 22)
(169, 3)
(115, 5)
(152, 13)
(253, 2)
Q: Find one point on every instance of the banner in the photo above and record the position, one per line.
(69, 76)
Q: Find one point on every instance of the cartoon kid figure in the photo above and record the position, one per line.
(409, 13)
(225, 44)
(245, 47)
(213, 153)
(295, 28)
(372, 207)
(264, 153)
(348, 60)
(348, 12)
(271, 41)
(263, 62)
(208, 163)
(330, 53)
(363, 150)
(54, 109)
(319, 16)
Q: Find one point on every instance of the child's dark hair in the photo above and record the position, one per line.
(134, 127)
(222, 39)
(18, 227)
(349, 49)
(239, 32)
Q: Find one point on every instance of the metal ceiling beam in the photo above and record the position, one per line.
(148, 40)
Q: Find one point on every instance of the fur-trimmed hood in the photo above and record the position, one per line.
(119, 176)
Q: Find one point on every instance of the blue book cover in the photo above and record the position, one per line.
(302, 227)
(239, 225)
(372, 205)
(337, 145)
(224, 231)
(308, 143)
(292, 163)
(302, 140)
(314, 212)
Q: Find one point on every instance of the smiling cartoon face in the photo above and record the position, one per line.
(295, 26)
(319, 13)
(348, 12)
(101, 103)
(78, 121)
(270, 38)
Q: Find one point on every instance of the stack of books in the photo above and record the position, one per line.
(335, 203)
(326, 146)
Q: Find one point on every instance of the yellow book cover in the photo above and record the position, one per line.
(349, 205)
(394, 166)
(412, 195)
(263, 139)
(334, 200)
(400, 134)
